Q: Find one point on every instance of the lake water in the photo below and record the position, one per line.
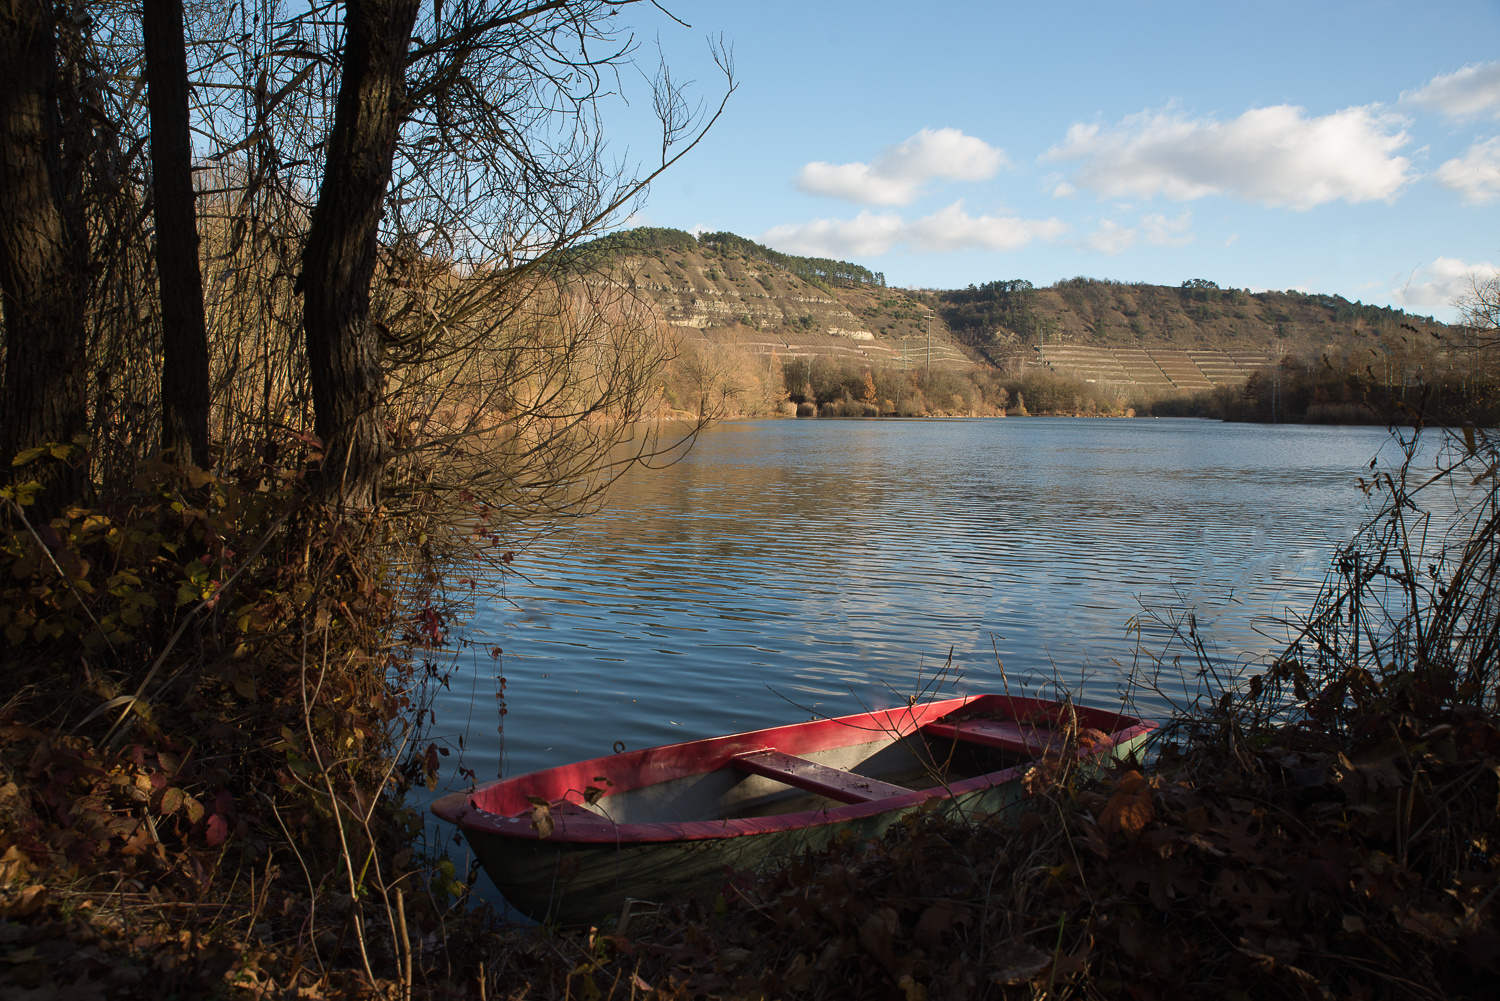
(790, 568)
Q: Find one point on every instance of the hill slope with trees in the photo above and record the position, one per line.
(730, 288)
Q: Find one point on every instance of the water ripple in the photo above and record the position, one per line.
(791, 567)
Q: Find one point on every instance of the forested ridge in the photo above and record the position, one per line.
(820, 271)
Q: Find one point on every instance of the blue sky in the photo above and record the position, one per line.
(1342, 147)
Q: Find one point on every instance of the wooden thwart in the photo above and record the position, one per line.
(835, 783)
(1004, 734)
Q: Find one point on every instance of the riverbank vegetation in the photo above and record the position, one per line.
(263, 388)
(1319, 824)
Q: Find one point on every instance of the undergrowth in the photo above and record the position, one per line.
(212, 706)
(209, 708)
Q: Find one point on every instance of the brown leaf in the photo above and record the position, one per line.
(27, 901)
(1091, 739)
(13, 865)
(541, 819)
(1129, 809)
(876, 933)
(937, 921)
(1018, 963)
(1427, 924)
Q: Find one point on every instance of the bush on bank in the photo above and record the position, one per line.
(209, 705)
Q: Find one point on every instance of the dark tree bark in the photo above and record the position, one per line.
(338, 263)
(43, 252)
(184, 372)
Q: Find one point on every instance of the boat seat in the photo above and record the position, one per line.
(1004, 734)
(835, 783)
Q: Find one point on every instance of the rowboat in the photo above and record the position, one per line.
(571, 844)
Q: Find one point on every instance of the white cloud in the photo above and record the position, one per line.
(1439, 284)
(1472, 92)
(1275, 156)
(1476, 174)
(1156, 229)
(1164, 232)
(896, 176)
(1112, 238)
(870, 234)
(867, 235)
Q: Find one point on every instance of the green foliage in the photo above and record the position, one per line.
(110, 580)
(978, 311)
(818, 270)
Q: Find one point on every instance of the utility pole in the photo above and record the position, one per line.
(929, 342)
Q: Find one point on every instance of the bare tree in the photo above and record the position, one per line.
(1479, 328)
(184, 370)
(43, 248)
(486, 130)
(339, 260)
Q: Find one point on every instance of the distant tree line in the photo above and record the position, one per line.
(819, 270)
(646, 239)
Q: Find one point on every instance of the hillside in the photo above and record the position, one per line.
(1137, 338)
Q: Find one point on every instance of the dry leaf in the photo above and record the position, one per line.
(1018, 963)
(28, 901)
(542, 821)
(1129, 809)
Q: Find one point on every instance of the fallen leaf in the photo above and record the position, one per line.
(1129, 809)
(1018, 963)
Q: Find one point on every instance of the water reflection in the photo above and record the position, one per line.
(791, 567)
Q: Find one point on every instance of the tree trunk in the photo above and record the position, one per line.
(184, 372)
(338, 263)
(43, 253)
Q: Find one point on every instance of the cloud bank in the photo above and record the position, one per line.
(897, 175)
(1276, 156)
(1472, 92)
(871, 234)
(1439, 284)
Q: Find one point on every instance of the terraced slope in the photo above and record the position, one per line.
(1159, 339)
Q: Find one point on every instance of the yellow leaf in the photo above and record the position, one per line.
(914, 991)
(29, 455)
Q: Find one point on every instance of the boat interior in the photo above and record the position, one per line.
(766, 781)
